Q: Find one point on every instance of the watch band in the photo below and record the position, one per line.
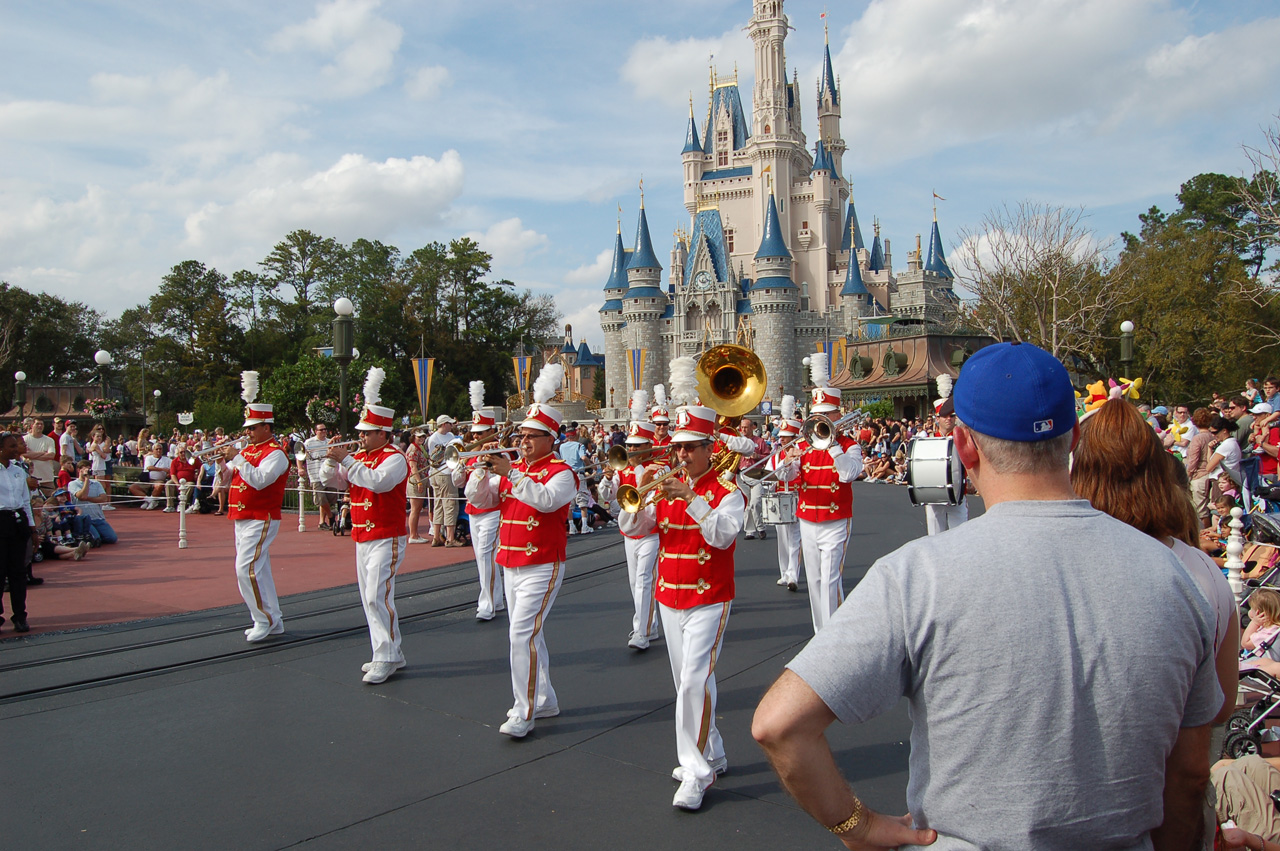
(852, 821)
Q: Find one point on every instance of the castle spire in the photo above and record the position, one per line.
(827, 84)
(852, 237)
(691, 143)
(643, 256)
(771, 244)
(618, 270)
(876, 263)
(937, 262)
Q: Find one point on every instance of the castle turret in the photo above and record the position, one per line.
(644, 302)
(829, 111)
(937, 262)
(694, 159)
(768, 29)
(775, 298)
(611, 322)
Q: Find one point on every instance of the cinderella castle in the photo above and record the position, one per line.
(775, 257)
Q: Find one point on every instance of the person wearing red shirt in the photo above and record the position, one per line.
(257, 490)
(483, 519)
(377, 477)
(697, 518)
(183, 468)
(533, 495)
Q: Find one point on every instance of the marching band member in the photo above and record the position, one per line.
(534, 495)
(483, 517)
(754, 523)
(788, 533)
(258, 479)
(377, 475)
(825, 512)
(939, 517)
(660, 417)
(697, 518)
(641, 549)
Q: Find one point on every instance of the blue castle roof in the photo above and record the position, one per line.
(876, 263)
(643, 257)
(937, 262)
(853, 285)
(727, 97)
(744, 306)
(618, 271)
(708, 228)
(822, 159)
(771, 244)
(851, 216)
(691, 143)
(588, 358)
(611, 304)
(774, 282)
(828, 84)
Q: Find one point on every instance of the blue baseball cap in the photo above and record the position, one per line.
(1015, 391)
(1160, 409)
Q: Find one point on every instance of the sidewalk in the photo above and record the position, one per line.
(147, 576)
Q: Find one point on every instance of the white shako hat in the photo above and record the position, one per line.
(640, 432)
(789, 428)
(541, 415)
(659, 413)
(254, 412)
(788, 425)
(826, 399)
(482, 418)
(375, 416)
(694, 423)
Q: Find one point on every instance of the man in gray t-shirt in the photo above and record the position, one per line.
(1058, 663)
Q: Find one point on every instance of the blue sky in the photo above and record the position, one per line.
(135, 135)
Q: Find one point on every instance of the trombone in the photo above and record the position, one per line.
(632, 498)
(321, 451)
(620, 458)
(820, 431)
(454, 457)
(756, 474)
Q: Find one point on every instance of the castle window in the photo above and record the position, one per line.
(722, 139)
(767, 130)
(722, 159)
(804, 225)
(728, 238)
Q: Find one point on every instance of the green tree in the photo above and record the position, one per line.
(291, 386)
(48, 338)
(198, 348)
(309, 265)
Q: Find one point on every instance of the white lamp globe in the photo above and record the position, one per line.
(805, 360)
(155, 393)
(344, 307)
(102, 357)
(19, 376)
(355, 354)
(1126, 327)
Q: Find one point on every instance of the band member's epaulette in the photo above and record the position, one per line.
(729, 486)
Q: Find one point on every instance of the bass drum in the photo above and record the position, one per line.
(779, 508)
(935, 475)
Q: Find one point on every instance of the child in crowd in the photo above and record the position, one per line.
(67, 473)
(54, 538)
(1258, 644)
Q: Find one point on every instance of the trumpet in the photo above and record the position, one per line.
(453, 456)
(620, 458)
(476, 444)
(321, 451)
(755, 472)
(820, 431)
(632, 498)
(233, 444)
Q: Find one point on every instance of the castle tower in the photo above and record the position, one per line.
(693, 158)
(775, 298)
(643, 305)
(615, 358)
(829, 112)
(768, 29)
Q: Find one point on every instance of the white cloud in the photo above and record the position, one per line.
(667, 70)
(510, 243)
(592, 273)
(361, 45)
(427, 83)
(919, 76)
(581, 309)
(354, 197)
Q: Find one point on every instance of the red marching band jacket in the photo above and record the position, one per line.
(690, 571)
(629, 477)
(775, 461)
(526, 535)
(469, 508)
(377, 515)
(249, 503)
(822, 495)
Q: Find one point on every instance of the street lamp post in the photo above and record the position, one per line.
(20, 392)
(155, 393)
(343, 337)
(1126, 345)
(103, 359)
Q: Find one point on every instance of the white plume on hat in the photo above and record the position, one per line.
(248, 386)
(788, 407)
(550, 377)
(373, 385)
(639, 404)
(818, 370)
(476, 389)
(945, 382)
(684, 380)
(660, 395)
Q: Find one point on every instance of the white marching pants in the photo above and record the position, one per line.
(753, 520)
(694, 638)
(253, 569)
(788, 550)
(940, 518)
(642, 566)
(484, 542)
(823, 545)
(377, 563)
(530, 593)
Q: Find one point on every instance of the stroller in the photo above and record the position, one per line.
(340, 515)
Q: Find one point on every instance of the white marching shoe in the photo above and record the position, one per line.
(259, 631)
(689, 795)
(718, 767)
(516, 728)
(368, 666)
(379, 671)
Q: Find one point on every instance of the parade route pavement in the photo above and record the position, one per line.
(175, 733)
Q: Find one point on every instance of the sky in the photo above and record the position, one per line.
(135, 135)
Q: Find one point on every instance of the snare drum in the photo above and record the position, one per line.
(935, 475)
(779, 508)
